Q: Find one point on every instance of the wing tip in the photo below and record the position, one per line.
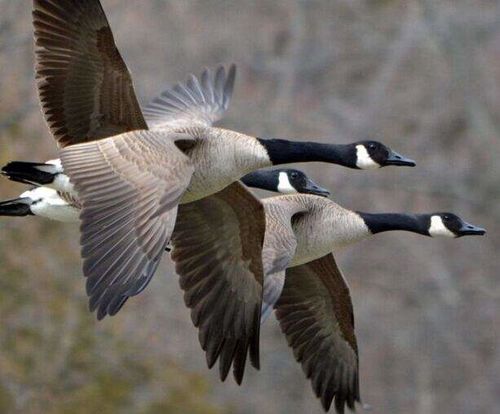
(343, 396)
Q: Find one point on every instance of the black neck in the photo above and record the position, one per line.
(377, 223)
(282, 151)
(260, 179)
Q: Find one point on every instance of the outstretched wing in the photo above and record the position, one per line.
(129, 186)
(217, 250)
(315, 313)
(85, 88)
(199, 102)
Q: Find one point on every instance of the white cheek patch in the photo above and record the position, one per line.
(438, 228)
(363, 159)
(284, 185)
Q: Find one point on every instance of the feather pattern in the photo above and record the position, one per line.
(85, 88)
(129, 187)
(217, 252)
(196, 102)
(316, 315)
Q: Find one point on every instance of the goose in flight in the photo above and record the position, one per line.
(308, 291)
(302, 281)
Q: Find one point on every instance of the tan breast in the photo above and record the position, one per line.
(220, 158)
(322, 226)
(328, 227)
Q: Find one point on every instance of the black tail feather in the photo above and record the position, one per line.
(27, 173)
(16, 207)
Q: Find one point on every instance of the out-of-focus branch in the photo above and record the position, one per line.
(305, 59)
(367, 117)
(410, 32)
(429, 191)
(457, 38)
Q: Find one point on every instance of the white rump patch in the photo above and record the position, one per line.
(47, 203)
(51, 166)
(57, 163)
(438, 228)
(284, 185)
(39, 193)
(61, 183)
(363, 159)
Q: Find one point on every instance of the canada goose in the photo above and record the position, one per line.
(308, 292)
(300, 230)
(132, 181)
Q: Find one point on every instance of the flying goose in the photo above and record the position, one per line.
(131, 180)
(301, 231)
(308, 291)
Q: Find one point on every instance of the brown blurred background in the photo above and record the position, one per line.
(421, 76)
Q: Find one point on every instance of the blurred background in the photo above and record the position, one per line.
(421, 76)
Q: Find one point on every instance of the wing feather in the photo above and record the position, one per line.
(127, 221)
(315, 313)
(195, 102)
(217, 250)
(85, 88)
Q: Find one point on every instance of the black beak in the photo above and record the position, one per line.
(312, 188)
(397, 159)
(470, 230)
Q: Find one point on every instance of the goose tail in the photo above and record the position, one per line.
(31, 172)
(17, 207)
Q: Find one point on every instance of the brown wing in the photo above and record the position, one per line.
(129, 186)
(85, 88)
(217, 249)
(315, 313)
(200, 101)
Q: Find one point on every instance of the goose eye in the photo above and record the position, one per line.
(371, 146)
(293, 175)
(446, 217)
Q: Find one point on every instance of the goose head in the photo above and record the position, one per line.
(370, 155)
(433, 225)
(295, 181)
(450, 225)
(285, 181)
